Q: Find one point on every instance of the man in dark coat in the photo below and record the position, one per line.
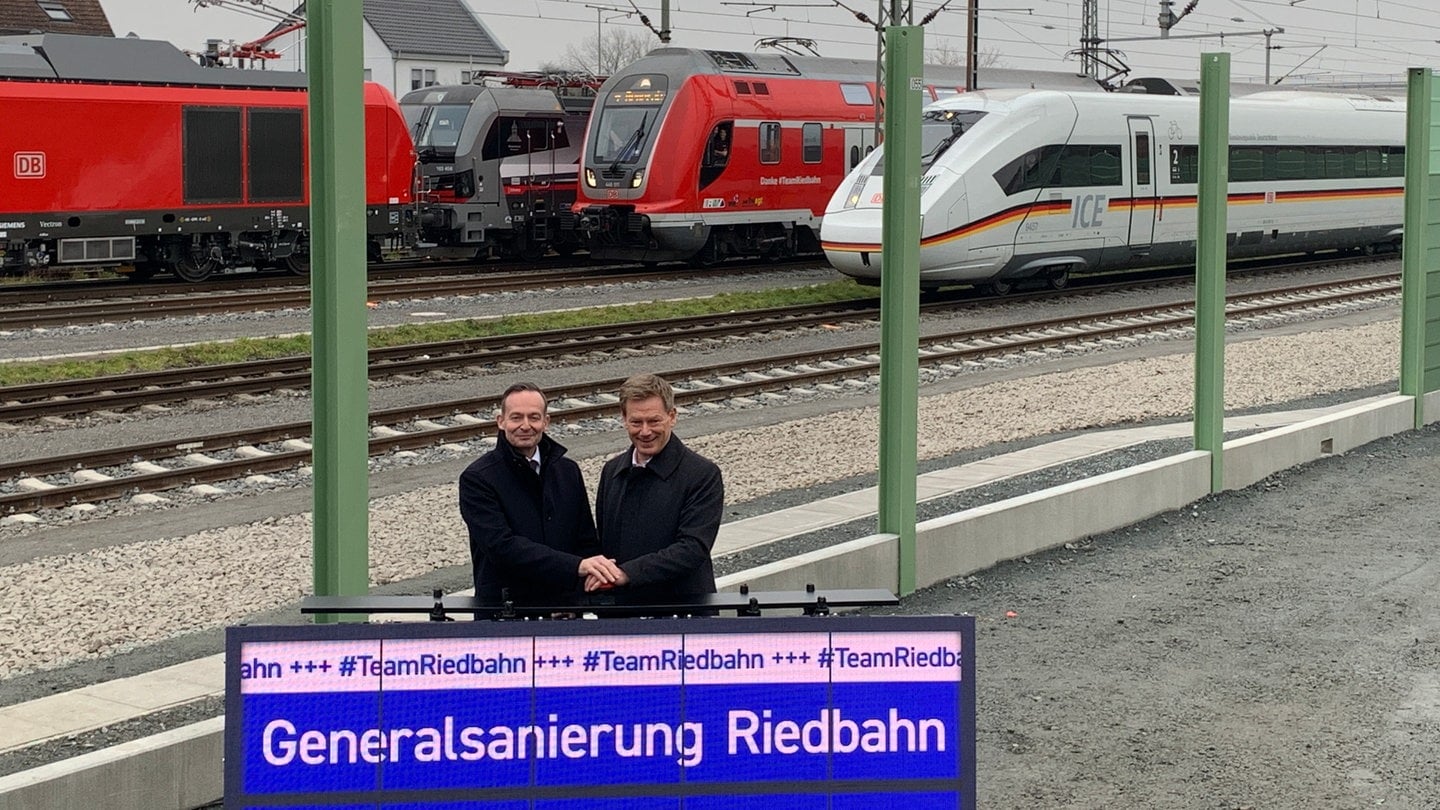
(528, 513)
(659, 503)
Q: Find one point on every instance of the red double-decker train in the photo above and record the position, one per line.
(702, 155)
(126, 153)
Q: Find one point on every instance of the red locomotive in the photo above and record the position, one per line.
(701, 155)
(126, 153)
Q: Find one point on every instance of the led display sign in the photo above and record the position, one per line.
(826, 713)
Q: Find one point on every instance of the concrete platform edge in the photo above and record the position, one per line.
(181, 768)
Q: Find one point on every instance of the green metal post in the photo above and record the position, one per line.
(337, 251)
(1420, 249)
(1210, 262)
(900, 293)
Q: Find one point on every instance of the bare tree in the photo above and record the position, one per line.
(946, 53)
(618, 48)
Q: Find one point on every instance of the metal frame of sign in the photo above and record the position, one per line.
(794, 713)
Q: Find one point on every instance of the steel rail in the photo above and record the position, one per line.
(84, 312)
(693, 387)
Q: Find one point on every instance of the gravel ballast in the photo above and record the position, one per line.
(130, 594)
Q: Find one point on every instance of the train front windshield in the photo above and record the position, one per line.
(630, 112)
(939, 131)
(436, 128)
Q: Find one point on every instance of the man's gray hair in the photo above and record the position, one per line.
(645, 386)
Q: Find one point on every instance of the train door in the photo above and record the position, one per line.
(1142, 184)
(859, 142)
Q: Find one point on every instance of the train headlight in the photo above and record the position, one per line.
(590, 178)
(853, 198)
(637, 178)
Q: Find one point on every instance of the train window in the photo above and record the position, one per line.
(276, 149)
(1142, 159)
(1029, 171)
(438, 128)
(717, 148)
(1074, 168)
(857, 94)
(940, 129)
(1335, 164)
(211, 137)
(762, 89)
(810, 143)
(1080, 165)
(1393, 161)
(510, 136)
(620, 134)
(1247, 164)
(1056, 166)
(1367, 162)
(770, 142)
(717, 153)
(742, 88)
(1289, 163)
(1105, 166)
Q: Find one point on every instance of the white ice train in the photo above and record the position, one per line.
(1039, 184)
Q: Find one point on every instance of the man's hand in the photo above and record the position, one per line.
(602, 571)
(594, 583)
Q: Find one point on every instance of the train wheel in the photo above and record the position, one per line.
(298, 262)
(196, 265)
(1060, 279)
(1000, 287)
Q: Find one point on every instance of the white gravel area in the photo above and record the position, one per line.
(121, 597)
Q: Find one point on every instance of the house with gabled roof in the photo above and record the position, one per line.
(411, 44)
(54, 17)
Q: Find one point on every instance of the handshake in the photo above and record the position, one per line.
(601, 573)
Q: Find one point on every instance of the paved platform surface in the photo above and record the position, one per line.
(99, 705)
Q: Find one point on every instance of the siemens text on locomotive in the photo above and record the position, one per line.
(125, 153)
(701, 155)
(1039, 184)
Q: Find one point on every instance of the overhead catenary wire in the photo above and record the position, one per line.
(1370, 42)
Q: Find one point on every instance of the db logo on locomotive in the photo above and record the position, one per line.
(29, 164)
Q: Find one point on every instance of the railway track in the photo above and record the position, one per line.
(55, 292)
(247, 456)
(122, 392)
(224, 298)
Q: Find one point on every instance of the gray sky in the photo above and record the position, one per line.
(1323, 39)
